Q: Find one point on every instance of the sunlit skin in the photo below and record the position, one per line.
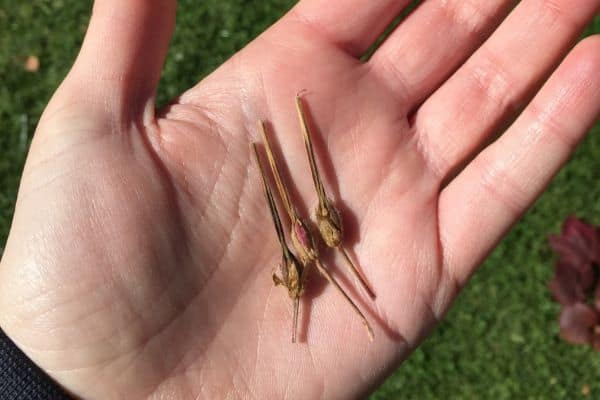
(139, 260)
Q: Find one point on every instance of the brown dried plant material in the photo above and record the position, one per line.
(293, 273)
(329, 221)
(302, 237)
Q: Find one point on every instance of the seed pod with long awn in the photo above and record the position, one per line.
(293, 273)
(327, 216)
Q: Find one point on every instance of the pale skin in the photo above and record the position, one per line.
(140, 256)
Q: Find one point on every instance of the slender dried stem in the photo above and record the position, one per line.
(295, 319)
(272, 205)
(311, 154)
(355, 272)
(295, 284)
(283, 192)
(341, 291)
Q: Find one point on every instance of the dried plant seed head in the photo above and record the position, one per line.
(295, 284)
(292, 272)
(329, 224)
(304, 242)
(327, 217)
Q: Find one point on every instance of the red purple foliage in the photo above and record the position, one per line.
(576, 282)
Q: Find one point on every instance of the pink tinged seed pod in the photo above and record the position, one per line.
(303, 242)
(301, 233)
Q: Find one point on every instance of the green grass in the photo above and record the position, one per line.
(499, 340)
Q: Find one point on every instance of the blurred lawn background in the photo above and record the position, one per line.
(500, 341)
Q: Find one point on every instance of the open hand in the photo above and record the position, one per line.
(139, 261)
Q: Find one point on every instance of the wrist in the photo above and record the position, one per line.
(20, 378)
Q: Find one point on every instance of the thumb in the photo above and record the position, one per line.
(119, 64)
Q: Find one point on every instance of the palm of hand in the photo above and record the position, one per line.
(146, 262)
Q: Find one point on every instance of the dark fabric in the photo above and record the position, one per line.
(21, 379)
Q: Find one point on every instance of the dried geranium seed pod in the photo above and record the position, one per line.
(295, 277)
(295, 286)
(293, 274)
(329, 224)
(327, 216)
(302, 237)
(303, 242)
